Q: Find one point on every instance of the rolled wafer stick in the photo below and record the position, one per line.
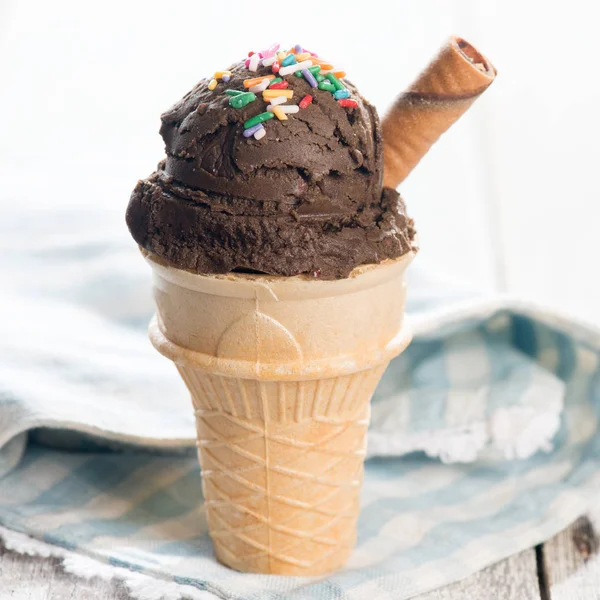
(454, 79)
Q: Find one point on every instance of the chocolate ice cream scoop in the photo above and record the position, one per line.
(298, 195)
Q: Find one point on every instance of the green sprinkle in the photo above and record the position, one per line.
(276, 80)
(319, 77)
(328, 87)
(242, 99)
(335, 81)
(314, 70)
(258, 119)
(234, 92)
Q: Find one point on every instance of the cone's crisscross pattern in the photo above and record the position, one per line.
(282, 466)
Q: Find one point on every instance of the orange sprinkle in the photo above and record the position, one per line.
(325, 66)
(248, 83)
(339, 74)
(268, 94)
(279, 113)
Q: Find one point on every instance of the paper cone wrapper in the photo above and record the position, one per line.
(281, 371)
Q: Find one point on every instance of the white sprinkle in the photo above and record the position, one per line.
(278, 100)
(260, 134)
(254, 60)
(290, 108)
(260, 87)
(293, 68)
(267, 62)
(286, 108)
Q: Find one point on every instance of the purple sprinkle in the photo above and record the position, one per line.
(314, 54)
(310, 78)
(298, 48)
(226, 78)
(252, 130)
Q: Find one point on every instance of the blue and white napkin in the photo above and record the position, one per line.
(97, 437)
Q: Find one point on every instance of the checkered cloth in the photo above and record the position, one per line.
(97, 435)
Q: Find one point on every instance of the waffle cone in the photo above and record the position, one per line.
(281, 372)
(454, 79)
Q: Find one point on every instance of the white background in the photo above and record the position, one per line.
(508, 199)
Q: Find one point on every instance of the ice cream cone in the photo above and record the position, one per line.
(281, 371)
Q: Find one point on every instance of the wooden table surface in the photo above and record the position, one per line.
(566, 567)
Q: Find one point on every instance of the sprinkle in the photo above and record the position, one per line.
(319, 77)
(281, 55)
(259, 119)
(247, 63)
(276, 110)
(212, 85)
(234, 92)
(348, 102)
(339, 74)
(302, 56)
(275, 67)
(276, 101)
(250, 53)
(277, 93)
(310, 78)
(288, 108)
(276, 80)
(296, 67)
(305, 101)
(220, 74)
(325, 66)
(298, 48)
(314, 70)
(254, 60)
(285, 108)
(279, 86)
(226, 78)
(242, 100)
(270, 52)
(252, 130)
(337, 84)
(328, 87)
(260, 87)
(260, 134)
(248, 83)
(267, 62)
(290, 59)
(341, 94)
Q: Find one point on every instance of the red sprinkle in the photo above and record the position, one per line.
(279, 86)
(305, 101)
(250, 53)
(275, 67)
(348, 102)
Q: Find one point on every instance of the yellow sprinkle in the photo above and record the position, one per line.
(267, 94)
(281, 55)
(303, 56)
(279, 113)
(248, 83)
(212, 85)
(219, 74)
(339, 74)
